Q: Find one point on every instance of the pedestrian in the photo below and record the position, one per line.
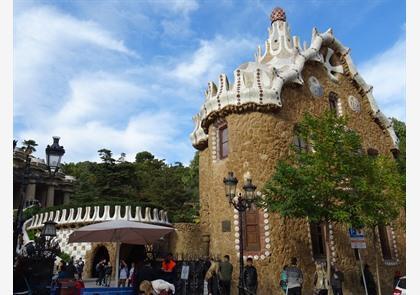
(250, 277)
(71, 269)
(108, 273)
(321, 281)
(100, 270)
(168, 268)
(226, 270)
(370, 282)
(283, 280)
(131, 275)
(294, 278)
(212, 278)
(337, 279)
(397, 277)
(145, 273)
(80, 266)
(123, 274)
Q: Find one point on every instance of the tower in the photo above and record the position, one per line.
(248, 125)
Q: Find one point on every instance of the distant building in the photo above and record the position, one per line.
(247, 125)
(47, 190)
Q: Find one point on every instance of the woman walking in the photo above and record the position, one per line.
(321, 281)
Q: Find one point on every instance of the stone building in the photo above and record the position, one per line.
(248, 125)
(42, 187)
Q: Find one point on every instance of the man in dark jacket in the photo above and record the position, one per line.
(250, 277)
(337, 279)
(226, 270)
(144, 273)
(370, 282)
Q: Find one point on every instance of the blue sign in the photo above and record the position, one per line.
(354, 233)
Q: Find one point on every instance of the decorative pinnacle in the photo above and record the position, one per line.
(278, 14)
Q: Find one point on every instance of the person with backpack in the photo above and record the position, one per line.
(294, 278)
(100, 270)
(283, 280)
(250, 277)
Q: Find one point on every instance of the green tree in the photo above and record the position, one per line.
(106, 156)
(334, 180)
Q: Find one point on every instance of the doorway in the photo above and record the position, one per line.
(101, 253)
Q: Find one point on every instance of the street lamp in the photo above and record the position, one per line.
(241, 204)
(53, 155)
(49, 229)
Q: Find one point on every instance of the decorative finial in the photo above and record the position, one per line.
(278, 14)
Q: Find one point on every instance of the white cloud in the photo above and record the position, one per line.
(386, 73)
(212, 58)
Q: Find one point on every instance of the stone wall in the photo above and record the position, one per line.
(186, 241)
(256, 142)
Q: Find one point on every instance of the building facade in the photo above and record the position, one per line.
(42, 188)
(248, 125)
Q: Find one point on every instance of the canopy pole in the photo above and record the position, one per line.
(117, 265)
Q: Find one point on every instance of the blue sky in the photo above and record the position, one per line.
(129, 75)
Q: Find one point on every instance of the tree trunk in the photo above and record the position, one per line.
(328, 254)
(376, 261)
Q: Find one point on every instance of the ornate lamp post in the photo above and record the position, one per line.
(53, 157)
(240, 203)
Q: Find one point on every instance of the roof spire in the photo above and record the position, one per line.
(278, 14)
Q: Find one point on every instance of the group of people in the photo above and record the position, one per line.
(71, 269)
(125, 275)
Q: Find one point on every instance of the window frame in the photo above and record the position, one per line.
(387, 248)
(317, 237)
(333, 103)
(221, 129)
(257, 232)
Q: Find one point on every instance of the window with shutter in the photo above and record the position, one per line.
(223, 142)
(251, 230)
(384, 237)
(317, 239)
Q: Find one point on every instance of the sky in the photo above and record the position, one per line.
(129, 75)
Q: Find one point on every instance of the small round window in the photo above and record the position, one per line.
(315, 87)
(354, 103)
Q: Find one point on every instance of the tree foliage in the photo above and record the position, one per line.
(336, 180)
(146, 182)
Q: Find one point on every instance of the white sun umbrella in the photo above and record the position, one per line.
(120, 231)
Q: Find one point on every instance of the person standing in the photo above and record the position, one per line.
(108, 273)
(123, 274)
(337, 279)
(168, 267)
(212, 279)
(370, 282)
(321, 282)
(100, 269)
(131, 275)
(294, 278)
(226, 270)
(250, 277)
(283, 280)
(397, 277)
(80, 266)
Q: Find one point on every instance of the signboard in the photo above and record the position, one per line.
(357, 239)
(184, 272)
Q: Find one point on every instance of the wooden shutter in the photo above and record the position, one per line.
(251, 231)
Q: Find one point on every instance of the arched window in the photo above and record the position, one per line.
(222, 139)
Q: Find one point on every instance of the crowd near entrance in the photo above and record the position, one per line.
(101, 253)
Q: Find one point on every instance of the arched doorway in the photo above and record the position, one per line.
(101, 253)
(132, 253)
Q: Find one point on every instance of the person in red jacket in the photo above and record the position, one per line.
(168, 267)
